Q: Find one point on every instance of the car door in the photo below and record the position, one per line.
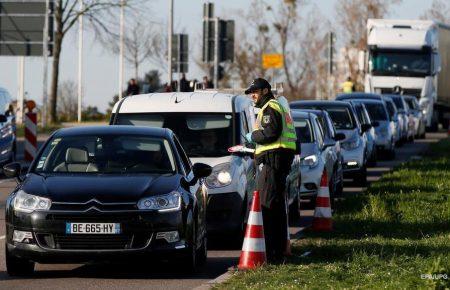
(325, 151)
(247, 124)
(198, 190)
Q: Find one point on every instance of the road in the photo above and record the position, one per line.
(120, 276)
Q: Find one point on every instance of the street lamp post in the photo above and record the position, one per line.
(169, 43)
(80, 60)
(121, 47)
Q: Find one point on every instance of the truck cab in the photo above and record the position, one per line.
(411, 57)
(206, 123)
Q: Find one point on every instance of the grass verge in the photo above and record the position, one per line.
(389, 238)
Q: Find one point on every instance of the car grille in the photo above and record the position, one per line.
(97, 217)
(93, 242)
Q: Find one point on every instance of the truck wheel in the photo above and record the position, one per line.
(17, 266)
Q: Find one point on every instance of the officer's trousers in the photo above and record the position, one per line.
(272, 182)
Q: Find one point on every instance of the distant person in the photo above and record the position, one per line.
(133, 88)
(184, 84)
(207, 84)
(348, 86)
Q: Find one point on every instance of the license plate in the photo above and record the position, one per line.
(93, 228)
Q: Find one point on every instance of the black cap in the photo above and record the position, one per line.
(258, 84)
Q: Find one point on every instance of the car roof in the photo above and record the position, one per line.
(300, 114)
(358, 95)
(393, 96)
(409, 97)
(200, 101)
(368, 101)
(319, 104)
(112, 130)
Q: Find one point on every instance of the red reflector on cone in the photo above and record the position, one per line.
(322, 214)
(254, 248)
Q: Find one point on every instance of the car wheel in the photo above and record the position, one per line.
(361, 177)
(17, 266)
(189, 260)
(202, 252)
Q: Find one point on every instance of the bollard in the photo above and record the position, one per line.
(30, 136)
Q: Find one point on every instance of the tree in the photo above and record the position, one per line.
(352, 16)
(67, 14)
(68, 101)
(439, 11)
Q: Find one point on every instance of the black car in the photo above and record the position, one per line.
(106, 193)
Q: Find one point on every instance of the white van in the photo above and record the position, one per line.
(207, 123)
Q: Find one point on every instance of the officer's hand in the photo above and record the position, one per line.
(248, 138)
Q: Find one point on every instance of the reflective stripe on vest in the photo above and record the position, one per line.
(288, 137)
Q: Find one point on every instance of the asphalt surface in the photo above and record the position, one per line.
(157, 275)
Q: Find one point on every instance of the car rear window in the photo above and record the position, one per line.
(398, 102)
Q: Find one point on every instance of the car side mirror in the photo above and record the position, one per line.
(13, 170)
(366, 127)
(329, 143)
(3, 119)
(201, 170)
(339, 137)
(376, 123)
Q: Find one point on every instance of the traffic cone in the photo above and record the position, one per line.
(322, 221)
(254, 248)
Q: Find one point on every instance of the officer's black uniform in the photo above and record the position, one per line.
(271, 179)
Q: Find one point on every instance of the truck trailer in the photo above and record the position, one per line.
(411, 57)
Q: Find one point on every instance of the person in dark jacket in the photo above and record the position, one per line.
(133, 88)
(275, 140)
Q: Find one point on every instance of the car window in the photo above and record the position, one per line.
(341, 118)
(377, 112)
(391, 109)
(102, 154)
(398, 102)
(323, 123)
(304, 131)
(200, 134)
(319, 133)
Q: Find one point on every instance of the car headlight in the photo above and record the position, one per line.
(220, 176)
(166, 202)
(351, 145)
(25, 202)
(6, 131)
(311, 160)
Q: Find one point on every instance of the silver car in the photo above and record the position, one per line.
(419, 117)
(307, 168)
(354, 146)
(364, 119)
(385, 131)
(402, 109)
(398, 121)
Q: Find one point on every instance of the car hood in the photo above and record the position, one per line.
(104, 188)
(309, 149)
(212, 161)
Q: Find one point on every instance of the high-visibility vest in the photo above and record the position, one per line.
(347, 87)
(288, 136)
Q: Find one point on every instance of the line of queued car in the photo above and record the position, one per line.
(127, 190)
(345, 136)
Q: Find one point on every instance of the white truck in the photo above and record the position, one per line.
(413, 57)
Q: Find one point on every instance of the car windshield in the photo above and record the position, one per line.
(391, 109)
(377, 112)
(341, 118)
(400, 63)
(340, 115)
(411, 104)
(303, 130)
(102, 154)
(202, 135)
(398, 102)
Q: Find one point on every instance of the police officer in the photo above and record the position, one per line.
(275, 140)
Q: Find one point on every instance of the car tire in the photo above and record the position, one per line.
(361, 177)
(16, 266)
(189, 259)
(202, 252)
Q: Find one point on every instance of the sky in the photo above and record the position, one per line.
(101, 67)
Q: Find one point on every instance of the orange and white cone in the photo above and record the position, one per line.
(254, 248)
(322, 221)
